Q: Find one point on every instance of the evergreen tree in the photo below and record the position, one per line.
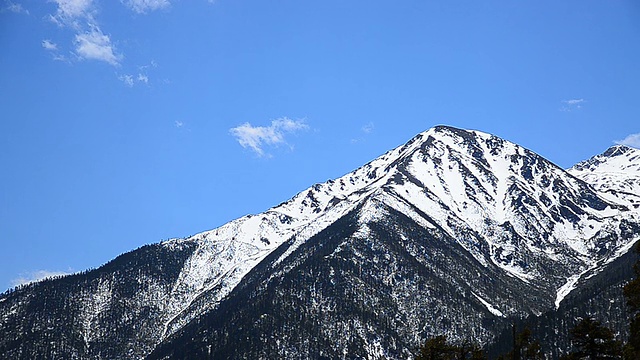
(524, 347)
(529, 349)
(438, 348)
(593, 341)
(632, 293)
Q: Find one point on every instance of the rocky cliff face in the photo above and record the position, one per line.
(452, 233)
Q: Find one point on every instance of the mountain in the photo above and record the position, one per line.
(456, 232)
(616, 173)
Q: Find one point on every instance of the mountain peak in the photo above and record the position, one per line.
(615, 156)
(615, 172)
(451, 131)
(617, 150)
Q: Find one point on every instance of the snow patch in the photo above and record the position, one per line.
(568, 287)
(489, 307)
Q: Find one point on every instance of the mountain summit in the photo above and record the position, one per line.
(616, 172)
(454, 232)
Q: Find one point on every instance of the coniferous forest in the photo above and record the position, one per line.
(589, 339)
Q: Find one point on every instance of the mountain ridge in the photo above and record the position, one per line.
(525, 223)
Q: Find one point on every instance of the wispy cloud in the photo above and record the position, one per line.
(126, 79)
(131, 80)
(143, 78)
(258, 137)
(632, 140)
(94, 45)
(143, 6)
(15, 8)
(49, 45)
(89, 41)
(52, 47)
(74, 13)
(366, 130)
(572, 104)
(37, 276)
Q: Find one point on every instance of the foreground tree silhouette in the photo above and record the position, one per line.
(437, 348)
(632, 293)
(525, 348)
(593, 342)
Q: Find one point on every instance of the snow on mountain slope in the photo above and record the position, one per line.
(530, 214)
(224, 255)
(615, 173)
(453, 225)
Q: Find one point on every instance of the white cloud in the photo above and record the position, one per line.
(73, 8)
(126, 79)
(142, 6)
(143, 78)
(37, 276)
(131, 80)
(94, 45)
(632, 140)
(257, 137)
(367, 129)
(89, 40)
(53, 48)
(179, 124)
(49, 45)
(572, 104)
(71, 11)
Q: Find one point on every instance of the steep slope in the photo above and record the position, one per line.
(523, 223)
(373, 284)
(107, 313)
(536, 221)
(454, 225)
(597, 295)
(615, 173)
(598, 292)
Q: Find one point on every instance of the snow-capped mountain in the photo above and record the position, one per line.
(451, 233)
(616, 173)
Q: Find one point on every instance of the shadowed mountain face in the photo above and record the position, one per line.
(453, 233)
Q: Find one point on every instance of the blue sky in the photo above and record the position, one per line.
(129, 122)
